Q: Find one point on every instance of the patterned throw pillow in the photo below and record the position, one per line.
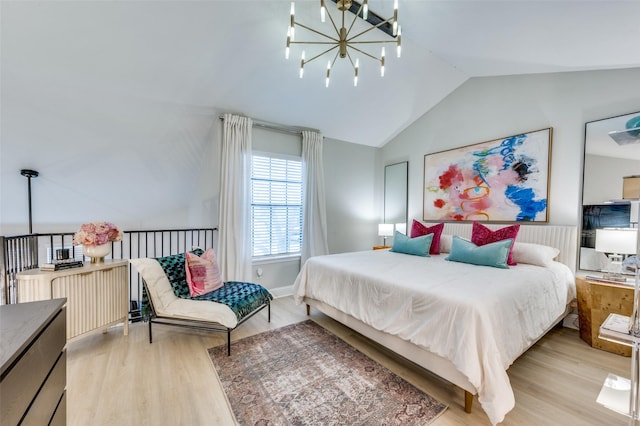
(175, 270)
(418, 230)
(202, 273)
(481, 235)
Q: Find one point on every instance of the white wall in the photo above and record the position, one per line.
(488, 108)
(352, 207)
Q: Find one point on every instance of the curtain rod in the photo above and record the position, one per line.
(294, 130)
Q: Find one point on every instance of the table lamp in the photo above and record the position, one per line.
(385, 230)
(616, 242)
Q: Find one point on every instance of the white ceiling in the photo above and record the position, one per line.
(153, 64)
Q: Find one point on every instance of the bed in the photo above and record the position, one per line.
(465, 323)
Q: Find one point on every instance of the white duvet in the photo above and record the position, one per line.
(478, 317)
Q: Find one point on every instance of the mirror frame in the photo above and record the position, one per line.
(396, 192)
(593, 130)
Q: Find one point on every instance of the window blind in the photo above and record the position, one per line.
(276, 205)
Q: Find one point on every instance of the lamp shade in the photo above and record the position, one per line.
(402, 228)
(385, 229)
(617, 240)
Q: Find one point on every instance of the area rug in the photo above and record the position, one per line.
(302, 374)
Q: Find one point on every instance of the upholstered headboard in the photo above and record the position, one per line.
(562, 237)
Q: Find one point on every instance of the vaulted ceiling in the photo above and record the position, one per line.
(144, 60)
(148, 77)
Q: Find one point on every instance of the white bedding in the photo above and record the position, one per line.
(480, 318)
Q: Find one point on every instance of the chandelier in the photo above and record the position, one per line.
(342, 41)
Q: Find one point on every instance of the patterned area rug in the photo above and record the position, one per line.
(302, 374)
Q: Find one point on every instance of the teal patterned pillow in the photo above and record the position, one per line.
(174, 268)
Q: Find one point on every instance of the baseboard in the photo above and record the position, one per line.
(281, 291)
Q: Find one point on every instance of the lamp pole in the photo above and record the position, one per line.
(29, 174)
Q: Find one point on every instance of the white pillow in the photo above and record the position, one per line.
(534, 254)
(445, 243)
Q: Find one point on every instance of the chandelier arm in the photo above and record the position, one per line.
(351, 60)
(334, 59)
(355, 16)
(313, 42)
(335, 27)
(365, 53)
(369, 29)
(317, 32)
(370, 41)
(320, 54)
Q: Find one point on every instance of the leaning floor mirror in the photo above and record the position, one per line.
(396, 195)
(611, 193)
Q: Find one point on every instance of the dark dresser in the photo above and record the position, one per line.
(33, 362)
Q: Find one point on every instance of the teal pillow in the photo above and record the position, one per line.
(492, 254)
(418, 246)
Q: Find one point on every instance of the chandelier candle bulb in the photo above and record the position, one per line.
(365, 9)
(355, 77)
(399, 49)
(326, 84)
(286, 52)
(395, 18)
(293, 21)
(323, 11)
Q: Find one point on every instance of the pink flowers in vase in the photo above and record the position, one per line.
(97, 233)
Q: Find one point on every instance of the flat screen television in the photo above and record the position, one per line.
(606, 215)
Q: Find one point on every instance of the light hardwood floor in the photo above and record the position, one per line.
(123, 380)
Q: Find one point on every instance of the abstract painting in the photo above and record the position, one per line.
(501, 180)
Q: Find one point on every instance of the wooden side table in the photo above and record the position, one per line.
(596, 300)
(381, 247)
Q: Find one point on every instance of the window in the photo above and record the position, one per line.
(276, 205)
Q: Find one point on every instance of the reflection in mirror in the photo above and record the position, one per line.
(610, 190)
(396, 195)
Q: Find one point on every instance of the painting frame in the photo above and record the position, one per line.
(500, 180)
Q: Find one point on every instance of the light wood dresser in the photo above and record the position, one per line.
(97, 294)
(33, 361)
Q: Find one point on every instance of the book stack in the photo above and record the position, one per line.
(616, 329)
(59, 265)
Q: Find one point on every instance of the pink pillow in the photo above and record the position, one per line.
(481, 235)
(202, 273)
(418, 230)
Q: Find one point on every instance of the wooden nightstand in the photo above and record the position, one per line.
(596, 300)
(381, 247)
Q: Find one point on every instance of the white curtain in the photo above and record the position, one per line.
(234, 238)
(314, 216)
